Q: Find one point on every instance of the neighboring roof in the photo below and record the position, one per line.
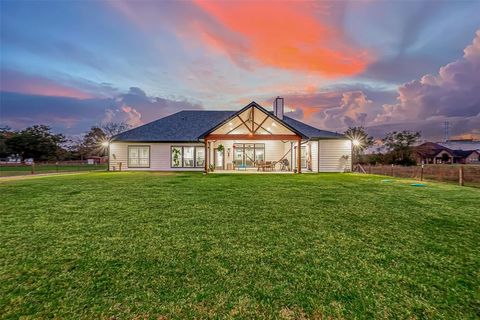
(430, 149)
(464, 153)
(189, 126)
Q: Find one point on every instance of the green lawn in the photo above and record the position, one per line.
(175, 246)
(8, 171)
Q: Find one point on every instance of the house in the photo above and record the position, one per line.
(250, 139)
(430, 152)
(467, 156)
(96, 160)
(434, 153)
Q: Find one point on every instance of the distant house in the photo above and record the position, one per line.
(467, 156)
(249, 139)
(434, 153)
(96, 160)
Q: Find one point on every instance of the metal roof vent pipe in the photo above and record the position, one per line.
(278, 108)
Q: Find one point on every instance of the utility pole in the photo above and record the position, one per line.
(447, 130)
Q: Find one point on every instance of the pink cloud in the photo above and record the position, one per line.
(36, 85)
(286, 35)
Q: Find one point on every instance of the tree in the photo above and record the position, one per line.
(93, 141)
(399, 145)
(91, 145)
(111, 129)
(361, 140)
(5, 134)
(37, 142)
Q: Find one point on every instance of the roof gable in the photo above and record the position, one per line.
(253, 119)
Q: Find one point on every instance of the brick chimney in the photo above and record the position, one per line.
(278, 107)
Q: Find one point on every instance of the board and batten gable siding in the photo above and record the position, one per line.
(159, 156)
(335, 155)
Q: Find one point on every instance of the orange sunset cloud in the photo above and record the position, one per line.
(283, 35)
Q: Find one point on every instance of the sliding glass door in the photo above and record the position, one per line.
(247, 154)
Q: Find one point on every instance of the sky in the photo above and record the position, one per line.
(396, 65)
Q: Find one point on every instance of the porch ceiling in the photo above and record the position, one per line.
(253, 123)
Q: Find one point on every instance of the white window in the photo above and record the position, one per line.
(139, 156)
(199, 156)
(188, 157)
(177, 155)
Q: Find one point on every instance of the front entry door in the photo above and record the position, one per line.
(219, 160)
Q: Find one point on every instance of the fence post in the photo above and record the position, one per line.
(460, 175)
(392, 171)
(33, 167)
(421, 172)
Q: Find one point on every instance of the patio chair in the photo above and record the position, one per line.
(285, 165)
(268, 165)
(260, 165)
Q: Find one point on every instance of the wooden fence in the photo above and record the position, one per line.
(468, 175)
(16, 169)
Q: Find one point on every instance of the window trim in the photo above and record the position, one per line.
(139, 146)
(182, 157)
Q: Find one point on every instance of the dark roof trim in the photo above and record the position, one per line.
(259, 107)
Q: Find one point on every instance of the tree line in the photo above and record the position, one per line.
(39, 143)
(395, 148)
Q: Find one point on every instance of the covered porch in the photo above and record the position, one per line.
(253, 140)
(244, 155)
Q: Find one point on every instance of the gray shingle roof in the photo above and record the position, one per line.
(311, 132)
(183, 126)
(188, 126)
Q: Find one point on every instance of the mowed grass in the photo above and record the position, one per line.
(183, 246)
(8, 171)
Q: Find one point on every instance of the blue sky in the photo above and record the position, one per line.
(384, 65)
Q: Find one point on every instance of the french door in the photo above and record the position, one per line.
(219, 160)
(247, 154)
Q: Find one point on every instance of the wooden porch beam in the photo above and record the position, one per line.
(246, 125)
(253, 137)
(261, 124)
(206, 156)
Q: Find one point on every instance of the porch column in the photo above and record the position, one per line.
(299, 156)
(206, 156)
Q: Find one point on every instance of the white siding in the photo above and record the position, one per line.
(314, 155)
(335, 155)
(159, 156)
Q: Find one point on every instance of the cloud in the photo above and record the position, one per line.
(72, 115)
(452, 93)
(351, 112)
(287, 35)
(13, 81)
